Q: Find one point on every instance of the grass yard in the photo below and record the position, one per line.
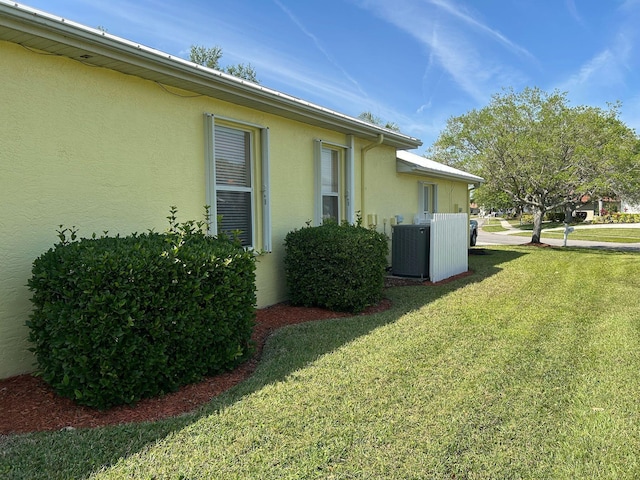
(616, 235)
(526, 369)
(492, 225)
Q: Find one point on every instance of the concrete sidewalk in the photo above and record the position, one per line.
(507, 237)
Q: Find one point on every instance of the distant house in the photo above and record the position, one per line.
(593, 208)
(102, 133)
(628, 207)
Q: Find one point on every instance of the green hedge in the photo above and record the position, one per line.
(339, 267)
(617, 218)
(117, 319)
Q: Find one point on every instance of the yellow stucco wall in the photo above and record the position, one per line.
(389, 193)
(88, 147)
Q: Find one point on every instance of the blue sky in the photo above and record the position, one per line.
(412, 62)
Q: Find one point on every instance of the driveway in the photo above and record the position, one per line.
(507, 237)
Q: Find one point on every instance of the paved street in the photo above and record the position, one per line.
(507, 237)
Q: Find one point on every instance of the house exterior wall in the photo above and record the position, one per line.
(389, 193)
(92, 148)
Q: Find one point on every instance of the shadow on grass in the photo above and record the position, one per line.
(603, 249)
(80, 453)
(545, 226)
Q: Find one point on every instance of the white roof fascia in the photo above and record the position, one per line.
(42, 31)
(407, 162)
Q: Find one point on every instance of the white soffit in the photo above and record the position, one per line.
(407, 162)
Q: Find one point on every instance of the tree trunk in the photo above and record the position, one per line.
(568, 214)
(538, 214)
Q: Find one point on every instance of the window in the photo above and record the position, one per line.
(427, 199)
(237, 183)
(334, 182)
(234, 183)
(330, 184)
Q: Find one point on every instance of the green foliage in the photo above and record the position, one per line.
(513, 373)
(616, 217)
(339, 267)
(210, 57)
(526, 219)
(375, 120)
(542, 152)
(492, 200)
(117, 319)
(245, 71)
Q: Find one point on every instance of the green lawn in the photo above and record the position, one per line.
(616, 235)
(492, 225)
(526, 369)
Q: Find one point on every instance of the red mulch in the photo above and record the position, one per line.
(28, 404)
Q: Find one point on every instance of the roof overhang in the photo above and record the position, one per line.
(407, 162)
(38, 30)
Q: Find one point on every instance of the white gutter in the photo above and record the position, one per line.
(407, 162)
(40, 30)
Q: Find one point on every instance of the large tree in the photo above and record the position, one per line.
(543, 153)
(210, 57)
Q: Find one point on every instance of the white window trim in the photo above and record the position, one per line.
(346, 181)
(432, 188)
(350, 180)
(265, 183)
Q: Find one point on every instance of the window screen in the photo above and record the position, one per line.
(234, 189)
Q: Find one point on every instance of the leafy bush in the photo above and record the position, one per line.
(526, 219)
(339, 267)
(117, 319)
(606, 217)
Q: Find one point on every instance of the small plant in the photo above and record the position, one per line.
(62, 234)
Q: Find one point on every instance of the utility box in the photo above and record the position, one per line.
(410, 250)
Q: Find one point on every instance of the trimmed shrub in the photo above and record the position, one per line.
(118, 319)
(339, 267)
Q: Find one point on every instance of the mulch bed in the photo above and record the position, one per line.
(28, 404)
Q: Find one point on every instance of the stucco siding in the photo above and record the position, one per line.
(389, 193)
(88, 147)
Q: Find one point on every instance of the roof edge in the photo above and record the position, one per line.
(177, 72)
(406, 166)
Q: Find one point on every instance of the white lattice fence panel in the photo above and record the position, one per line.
(448, 255)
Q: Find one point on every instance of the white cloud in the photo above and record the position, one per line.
(606, 72)
(573, 11)
(601, 68)
(460, 13)
(449, 40)
(319, 46)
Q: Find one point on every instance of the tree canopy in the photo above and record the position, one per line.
(542, 153)
(375, 120)
(210, 57)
